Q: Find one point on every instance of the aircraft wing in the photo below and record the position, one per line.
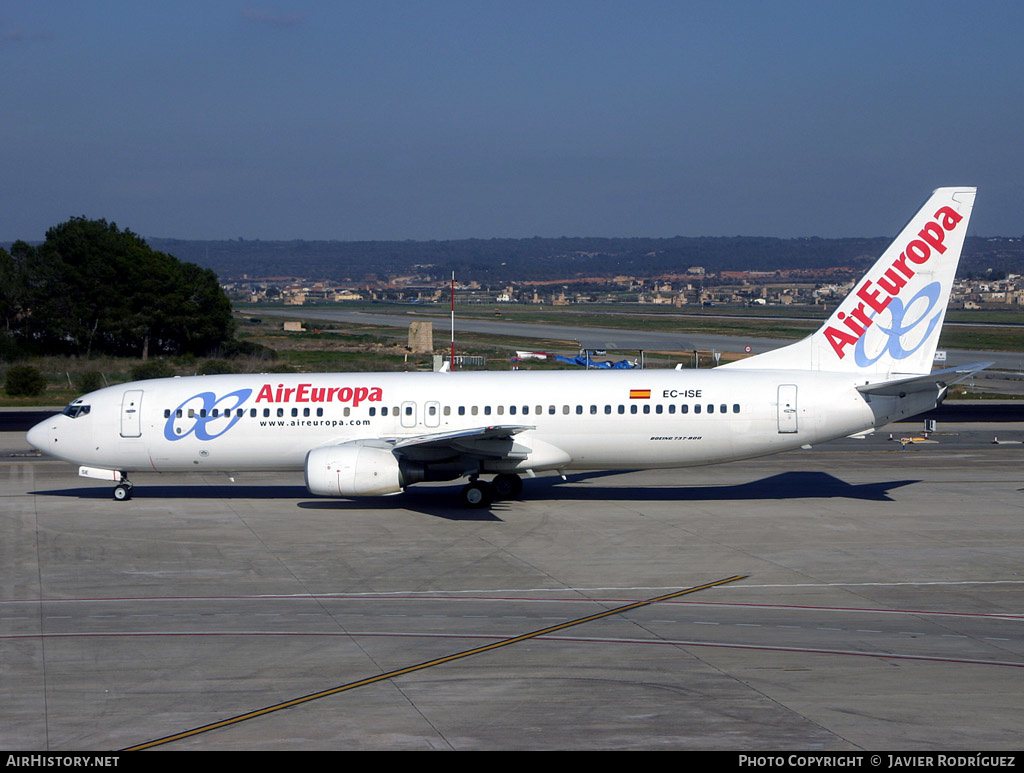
(495, 442)
(930, 382)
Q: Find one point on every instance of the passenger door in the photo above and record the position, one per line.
(131, 413)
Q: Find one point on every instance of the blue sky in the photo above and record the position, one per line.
(443, 120)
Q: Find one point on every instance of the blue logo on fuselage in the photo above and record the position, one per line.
(208, 419)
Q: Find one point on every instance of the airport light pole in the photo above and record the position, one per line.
(451, 365)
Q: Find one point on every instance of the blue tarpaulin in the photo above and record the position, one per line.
(582, 361)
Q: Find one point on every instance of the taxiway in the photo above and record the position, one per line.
(881, 607)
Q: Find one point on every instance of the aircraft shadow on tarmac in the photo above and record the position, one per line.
(439, 501)
(786, 485)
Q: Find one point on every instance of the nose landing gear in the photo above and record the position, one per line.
(123, 490)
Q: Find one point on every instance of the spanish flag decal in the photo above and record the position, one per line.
(639, 394)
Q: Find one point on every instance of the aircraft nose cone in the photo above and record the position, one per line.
(39, 437)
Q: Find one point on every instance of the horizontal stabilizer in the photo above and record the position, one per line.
(937, 380)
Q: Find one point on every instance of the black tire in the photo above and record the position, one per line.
(477, 495)
(122, 492)
(507, 486)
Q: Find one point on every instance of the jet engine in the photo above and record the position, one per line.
(353, 471)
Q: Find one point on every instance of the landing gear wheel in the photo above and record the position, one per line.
(122, 492)
(507, 486)
(477, 494)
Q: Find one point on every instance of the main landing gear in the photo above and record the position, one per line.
(479, 494)
(507, 486)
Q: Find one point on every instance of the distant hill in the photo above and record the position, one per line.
(493, 261)
(500, 260)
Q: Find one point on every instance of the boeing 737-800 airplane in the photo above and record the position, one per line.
(360, 434)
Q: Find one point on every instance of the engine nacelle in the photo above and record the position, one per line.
(352, 471)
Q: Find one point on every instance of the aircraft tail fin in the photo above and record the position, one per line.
(888, 327)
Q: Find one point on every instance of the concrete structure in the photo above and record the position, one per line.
(421, 337)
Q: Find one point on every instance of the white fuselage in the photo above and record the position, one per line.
(377, 433)
(575, 420)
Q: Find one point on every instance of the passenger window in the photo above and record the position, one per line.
(167, 413)
(252, 413)
(487, 410)
(319, 411)
(658, 408)
(432, 410)
(191, 413)
(474, 410)
(347, 410)
(512, 410)
(696, 408)
(565, 410)
(462, 410)
(607, 409)
(672, 408)
(447, 410)
(593, 410)
(539, 410)
(266, 412)
(280, 412)
(501, 410)
(647, 408)
(305, 411)
(384, 410)
(722, 408)
(632, 408)
(684, 408)
(622, 409)
(711, 409)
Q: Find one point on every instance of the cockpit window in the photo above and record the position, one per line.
(74, 410)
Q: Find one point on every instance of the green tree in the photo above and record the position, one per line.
(92, 288)
(9, 294)
(24, 381)
(89, 381)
